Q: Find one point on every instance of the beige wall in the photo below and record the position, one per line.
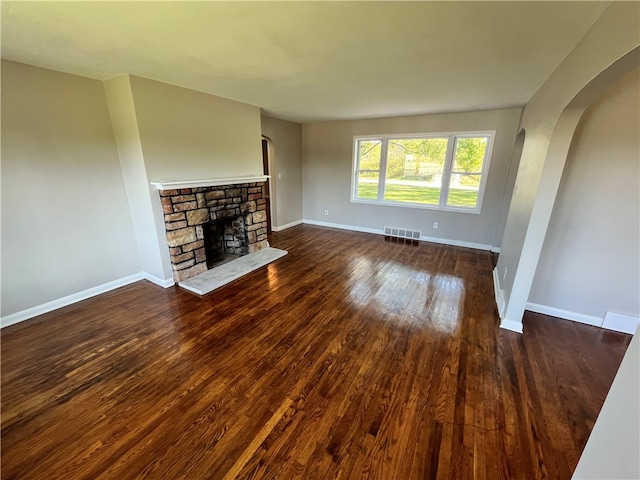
(286, 173)
(65, 221)
(190, 135)
(514, 163)
(183, 135)
(327, 166)
(88, 150)
(590, 262)
(145, 209)
(549, 119)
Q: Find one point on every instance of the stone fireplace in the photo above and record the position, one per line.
(204, 222)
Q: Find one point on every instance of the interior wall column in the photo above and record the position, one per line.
(144, 203)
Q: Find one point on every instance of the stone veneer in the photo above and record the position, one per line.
(188, 209)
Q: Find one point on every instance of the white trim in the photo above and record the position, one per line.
(68, 300)
(495, 249)
(564, 314)
(457, 243)
(512, 325)
(376, 231)
(612, 321)
(621, 322)
(499, 295)
(287, 225)
(344, 227)
(159, 281)
(421, 206)
(211, 182)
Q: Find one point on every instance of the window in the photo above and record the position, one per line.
(441, 171)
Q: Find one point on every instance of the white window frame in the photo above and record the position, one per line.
(446, 173)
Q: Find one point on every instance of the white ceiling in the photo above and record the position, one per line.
(306, 61)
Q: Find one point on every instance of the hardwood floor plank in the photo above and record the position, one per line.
(257, 440)
(355, 356)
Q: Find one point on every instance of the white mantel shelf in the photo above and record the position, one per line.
(211, 182)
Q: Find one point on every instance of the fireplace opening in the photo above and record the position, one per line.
(224, 240)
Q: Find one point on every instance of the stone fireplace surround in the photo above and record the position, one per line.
(187, 210)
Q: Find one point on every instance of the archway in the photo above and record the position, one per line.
(268, 165)
(521, 279)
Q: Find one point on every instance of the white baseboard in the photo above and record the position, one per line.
(457, 243)
(68, 300)
(564, 314)
(343, 227)
(506, 323)
(621, 322)
(287, 225)
(612, 321)
(159, 281)
(495, 249)
(512, 325)
(443, 241)
(498, 293)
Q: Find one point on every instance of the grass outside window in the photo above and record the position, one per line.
(418, 194)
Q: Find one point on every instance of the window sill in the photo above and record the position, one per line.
(475, 211)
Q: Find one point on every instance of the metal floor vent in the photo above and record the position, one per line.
(402, 233)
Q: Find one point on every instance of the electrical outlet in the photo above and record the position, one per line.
(326, 211)
(279, 176)
(435, 224)
(504, 275)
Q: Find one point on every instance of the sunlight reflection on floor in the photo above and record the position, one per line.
(404, 294)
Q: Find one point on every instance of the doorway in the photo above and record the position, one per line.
(266, 189)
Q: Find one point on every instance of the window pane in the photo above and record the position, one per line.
(463, 190)
(469, 154)
(369, 168)
(414, 170)
(467, 164)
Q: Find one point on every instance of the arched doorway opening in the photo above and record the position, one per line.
(269, 186)
(517, 269)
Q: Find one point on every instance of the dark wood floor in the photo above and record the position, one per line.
(352, 357)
